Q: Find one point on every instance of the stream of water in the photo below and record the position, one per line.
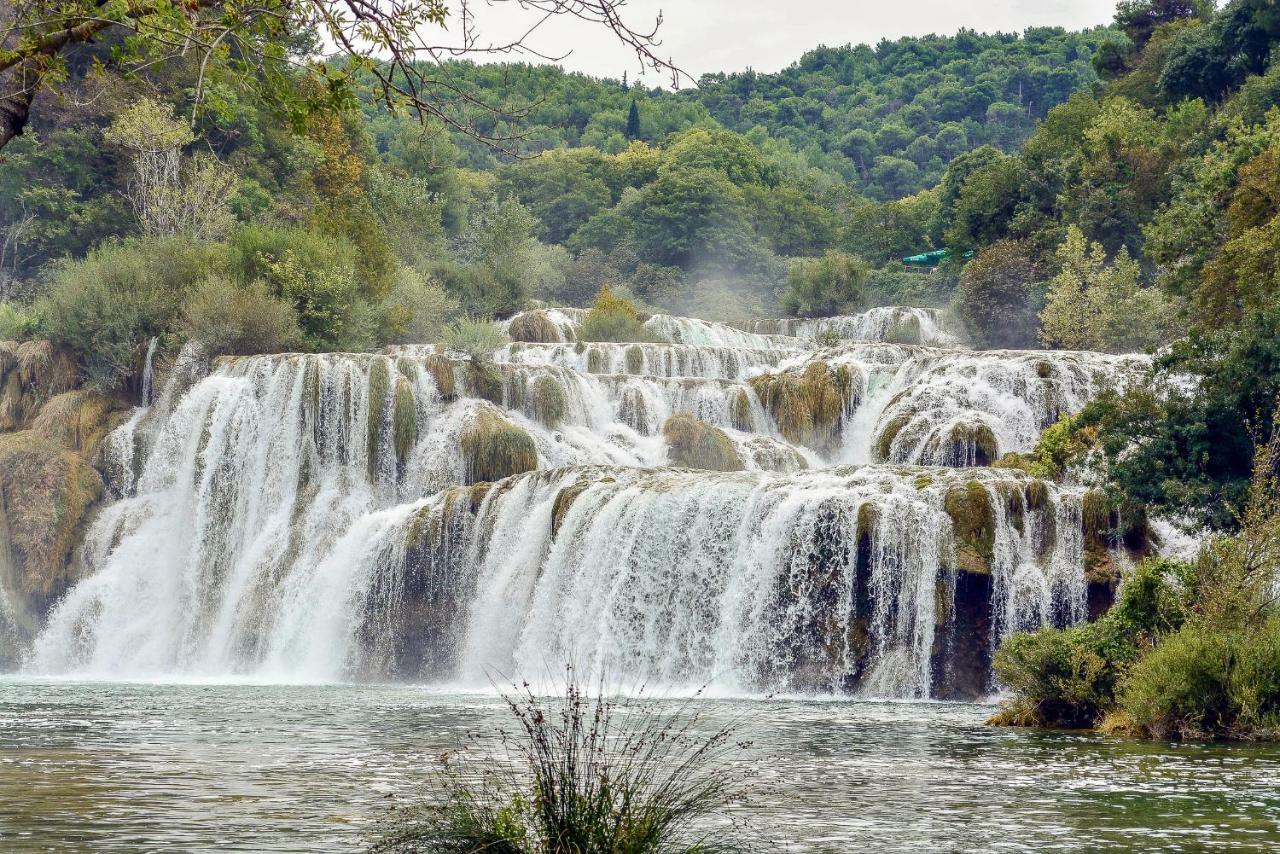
(222, 767)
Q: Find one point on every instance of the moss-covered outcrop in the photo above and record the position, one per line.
(973, 524)
(1108, 526)
(547, 400)
(484, 380)
(809, 406)
(494, 448)
(440, 367)
(46, 492)
(740, 410)
(905, 330)
(697, 445)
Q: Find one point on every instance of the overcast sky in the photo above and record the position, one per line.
(767, 35)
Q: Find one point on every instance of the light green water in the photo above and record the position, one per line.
(139, 767)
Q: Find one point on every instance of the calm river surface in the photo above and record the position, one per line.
(137, 767)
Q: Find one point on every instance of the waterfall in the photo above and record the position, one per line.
(312, 517)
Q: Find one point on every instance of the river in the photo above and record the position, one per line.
(100, 766)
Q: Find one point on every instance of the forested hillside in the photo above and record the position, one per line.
(886, 119)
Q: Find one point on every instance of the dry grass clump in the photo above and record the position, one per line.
(809, 407)
(494, 448)
(534, 327)
(30, 374)
(404, 419)
(45, 492)
(440, 367)
(77, 420)
(740, 411)
(698, 445)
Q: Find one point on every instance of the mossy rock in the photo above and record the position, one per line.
(534, 327)
(740, 411)
(78, 420)
(564, 501)
(596, 363)
(1044, 370)
(905, 330)
(548, 400)
(973, 524)
(697, 445)
(441, 369)
(923, 481)
(484, 380)
(884, 442)
(46, 492)
(493, 448)
(634, 356)
(633, 411)
(972, 443)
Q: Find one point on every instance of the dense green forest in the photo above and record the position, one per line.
(1114, 190)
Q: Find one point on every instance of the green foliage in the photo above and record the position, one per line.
(998, 297)
(613, 318)
(475, 337)
(1095, 306)
(1069, 677)
(1196, 450)
(826, 286)
(108, 305)
(239, 320)
(695, 444)
(416, 309)
(587, 773)
(16, 323)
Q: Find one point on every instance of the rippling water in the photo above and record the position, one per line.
(130, 767)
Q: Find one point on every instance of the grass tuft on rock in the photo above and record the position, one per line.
(697, 445)
(809, 406)
(494, 448)
(404, 420)
(77, 420)
(534, 327)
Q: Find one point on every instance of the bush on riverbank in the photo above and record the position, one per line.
(1189, 651)
(582, 773)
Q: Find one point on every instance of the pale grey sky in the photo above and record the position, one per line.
(731, 35)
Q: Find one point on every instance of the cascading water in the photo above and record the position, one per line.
(307, 517)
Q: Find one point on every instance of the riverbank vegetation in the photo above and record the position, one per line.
(1190, 650)
(583, 772)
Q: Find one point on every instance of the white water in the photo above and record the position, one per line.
(268, 526)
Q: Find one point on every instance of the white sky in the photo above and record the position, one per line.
(767, 35)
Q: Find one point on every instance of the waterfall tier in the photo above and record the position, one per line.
(415, 515)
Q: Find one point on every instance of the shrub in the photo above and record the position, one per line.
(997, 299)
(582, 773)
(1069, 677)
(16, 323)
(613, 318)
(107, 305)
(475, 337)
(229, 319)
(1180, 689)
(821, 287)
(416, 309)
